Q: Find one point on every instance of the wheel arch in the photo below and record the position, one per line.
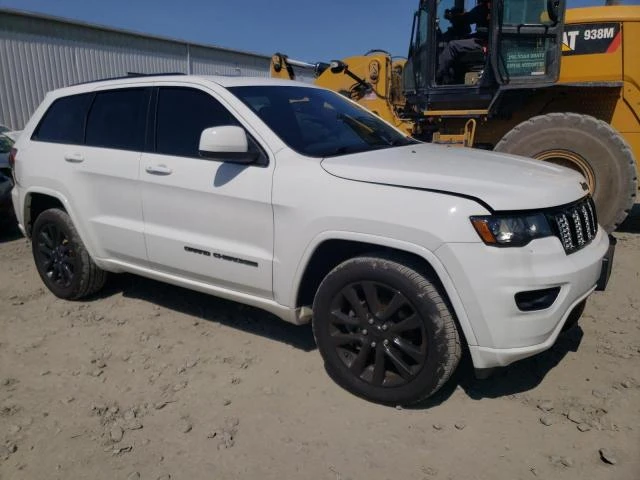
(332, 248)
(39, 199)
(36, 201)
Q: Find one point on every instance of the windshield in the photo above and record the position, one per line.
(317, 122)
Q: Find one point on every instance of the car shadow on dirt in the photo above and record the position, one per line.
(9, 230)
(205, 307)
(517, 378)
(632, 223)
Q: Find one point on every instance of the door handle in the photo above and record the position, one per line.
(158, 170)
(74, 157)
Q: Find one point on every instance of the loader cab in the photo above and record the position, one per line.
(495, 45)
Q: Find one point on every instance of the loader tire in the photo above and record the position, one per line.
(587, 145)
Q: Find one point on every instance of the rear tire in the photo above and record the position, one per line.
(587, 145)
(63, 262)
(384, 331)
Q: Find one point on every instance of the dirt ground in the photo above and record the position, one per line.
(154, 382)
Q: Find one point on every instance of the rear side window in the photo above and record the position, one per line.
(64, 121)
(117, 119)
(183, 113)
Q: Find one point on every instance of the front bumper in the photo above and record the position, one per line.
(487, 279)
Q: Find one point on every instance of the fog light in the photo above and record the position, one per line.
(536, 299)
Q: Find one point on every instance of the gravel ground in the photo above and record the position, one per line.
(151, 381)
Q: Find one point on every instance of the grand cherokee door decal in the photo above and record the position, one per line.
(220, 256)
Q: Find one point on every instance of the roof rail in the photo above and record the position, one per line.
(128, 75)
(136, 74)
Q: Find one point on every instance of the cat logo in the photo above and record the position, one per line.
(591, 38)
(569, 40)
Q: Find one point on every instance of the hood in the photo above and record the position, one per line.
(503, 182)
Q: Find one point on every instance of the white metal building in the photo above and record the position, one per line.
(39, 53)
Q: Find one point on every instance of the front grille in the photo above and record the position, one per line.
(576, 225)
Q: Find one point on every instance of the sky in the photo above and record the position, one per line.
(309, 31)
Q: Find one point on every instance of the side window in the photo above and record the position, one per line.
(64, 121)
(183, 113)
(117, 119)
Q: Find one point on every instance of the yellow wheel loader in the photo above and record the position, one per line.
(563, 89)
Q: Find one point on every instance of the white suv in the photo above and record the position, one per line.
(296, 200)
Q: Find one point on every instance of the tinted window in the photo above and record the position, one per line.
(64, 121)
(117, 119)
(318, 122)
(183, 113)
(5, 144)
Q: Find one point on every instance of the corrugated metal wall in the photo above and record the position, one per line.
(38, 54)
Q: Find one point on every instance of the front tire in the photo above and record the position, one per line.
(63, 262)
(587, 145)
(384, 331)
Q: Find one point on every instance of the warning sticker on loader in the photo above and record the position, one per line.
(588, 38)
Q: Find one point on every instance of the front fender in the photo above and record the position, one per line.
(399, 245)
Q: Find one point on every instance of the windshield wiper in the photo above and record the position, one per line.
(338, 151)
(362, 129)
(351, 149)
(403, 141)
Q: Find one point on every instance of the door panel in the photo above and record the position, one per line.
(109, 165)
(205, 219)
(107, 184)
(210, 220)
(101, 183)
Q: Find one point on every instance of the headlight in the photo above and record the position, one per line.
(511, 231)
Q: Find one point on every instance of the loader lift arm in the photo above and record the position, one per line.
(282, 67)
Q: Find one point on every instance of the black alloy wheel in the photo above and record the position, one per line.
(378, 334)
(62, 260)
(55, 255)
(385, 330)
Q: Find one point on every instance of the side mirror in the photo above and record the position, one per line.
(227, 144)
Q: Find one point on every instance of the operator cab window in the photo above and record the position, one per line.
(461, 41)
(525, 55)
